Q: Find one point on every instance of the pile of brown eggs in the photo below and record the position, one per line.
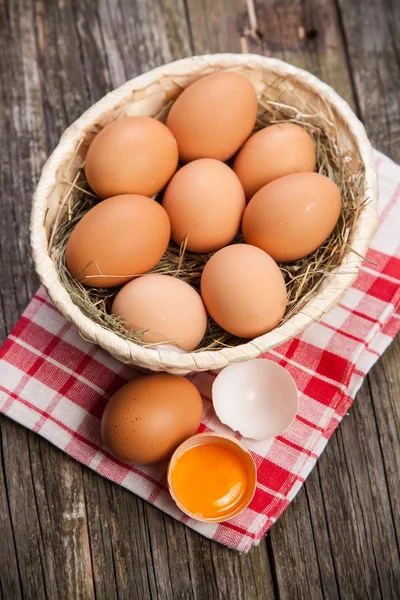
(271, 194)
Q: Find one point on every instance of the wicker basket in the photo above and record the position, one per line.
(147, 95)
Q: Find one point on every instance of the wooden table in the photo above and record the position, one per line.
(64, 531)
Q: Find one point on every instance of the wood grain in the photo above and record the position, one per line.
(372, 37)
(385, 392)
(66, 532)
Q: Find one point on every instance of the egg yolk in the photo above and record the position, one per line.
(209, 480)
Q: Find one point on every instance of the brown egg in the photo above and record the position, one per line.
(147, 419)
(273, 152)
(291, 216)
(205, 201)
(133, 155)
(117, 239)
(243, 290)
(213, 116)
(168, 309)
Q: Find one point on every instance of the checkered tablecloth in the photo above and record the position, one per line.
(57, 384)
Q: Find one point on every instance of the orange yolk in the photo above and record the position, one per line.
(209, 480)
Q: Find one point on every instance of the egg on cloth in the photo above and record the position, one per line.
(244, 290)
(292, 216)
(213, 116)
(258, 398)
(132, 155)
(117, 239)
(162, 308)
(205, 202)
(273, 152)
(147, 418)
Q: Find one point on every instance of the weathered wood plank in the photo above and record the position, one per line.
(21, 158)
(10, 578)
(119, 547)
(306, 34)
(301, 549)
(35, 582)
(217, 26)
(373, 491)
(47, 569)
(62, 518)
(64, 86)
(358, 507)
(372, 34)
(21, 155)
(385, 392)
(141, 35)
(373, 46)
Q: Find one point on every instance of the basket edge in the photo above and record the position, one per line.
(133, 354)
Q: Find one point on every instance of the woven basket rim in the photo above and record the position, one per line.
(333, 287)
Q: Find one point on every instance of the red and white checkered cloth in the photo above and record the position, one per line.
(56, 384)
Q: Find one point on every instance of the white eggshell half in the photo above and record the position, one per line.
(257, 398)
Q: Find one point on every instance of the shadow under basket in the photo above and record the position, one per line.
(315, 284)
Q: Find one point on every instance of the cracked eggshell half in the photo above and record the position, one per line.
(257, 398)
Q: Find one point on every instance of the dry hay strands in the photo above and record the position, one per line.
(303, 277)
